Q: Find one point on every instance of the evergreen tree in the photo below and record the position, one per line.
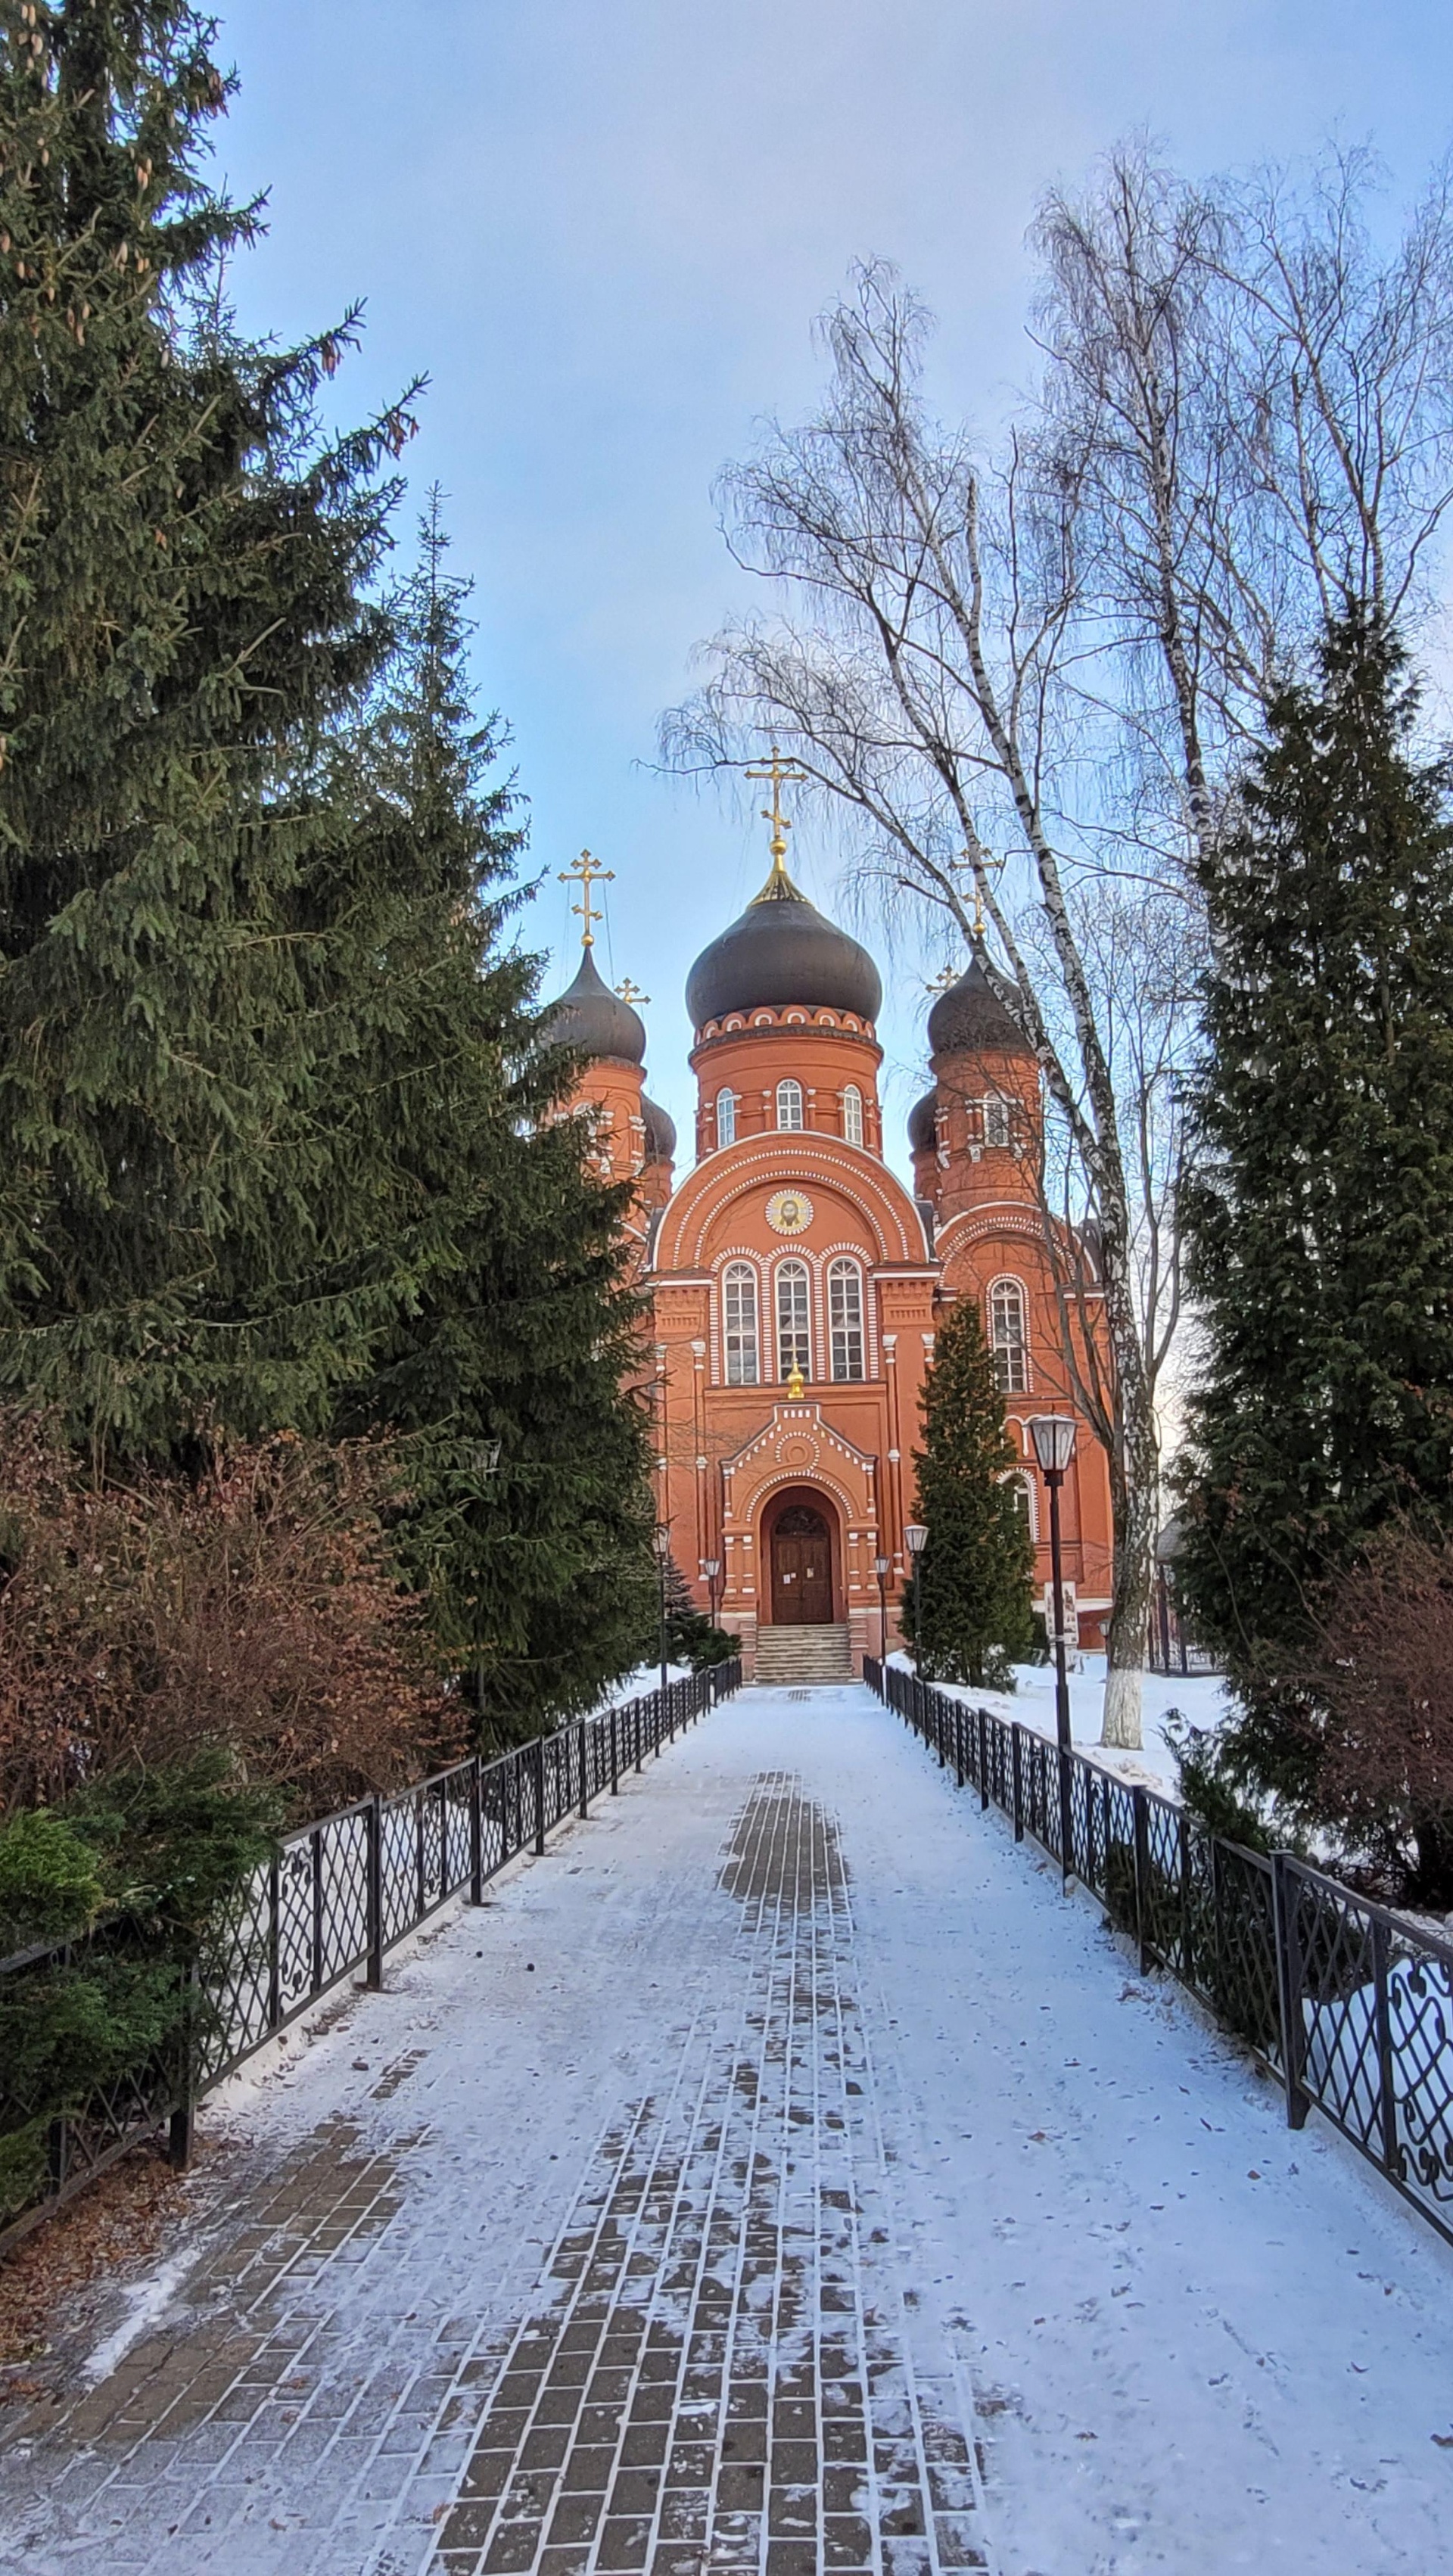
(278, 1139)
(971, 1610)
(182, 604)
(1321, 1213)
(521, 1330)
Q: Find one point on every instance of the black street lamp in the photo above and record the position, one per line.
(711, 1568)
(1053, 1435)
(882, 1567)
(915, 1539)
(662, 1544)
(484, 1464)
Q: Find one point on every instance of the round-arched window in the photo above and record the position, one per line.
(726, 1117)
(853, 1115)
(789, 1103)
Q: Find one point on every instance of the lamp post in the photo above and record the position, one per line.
(711, 1568)
(915, 1539)
(882, 1567)
(662, 1544)
(1053, 1435)
(484, 1461)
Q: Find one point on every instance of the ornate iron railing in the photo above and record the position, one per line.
(1348, 2005)
(337, 1897)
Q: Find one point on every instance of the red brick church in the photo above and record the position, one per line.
(795, 1283)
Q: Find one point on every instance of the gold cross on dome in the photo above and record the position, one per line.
(983, 864)
(942, 981)
(781, 773)
(630, 992)
(584, 873)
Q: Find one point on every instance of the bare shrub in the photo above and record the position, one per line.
(253, 1607)
(1382, 1685)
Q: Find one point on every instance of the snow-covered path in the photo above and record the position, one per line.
(777, 2176)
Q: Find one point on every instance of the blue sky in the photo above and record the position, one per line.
(603, 229)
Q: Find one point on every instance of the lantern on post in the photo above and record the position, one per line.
(661, 1541)
(1053, 1435)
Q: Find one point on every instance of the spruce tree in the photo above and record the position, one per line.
(971, 1612)
(521, 1329)
(1320, 1216)
(183, 602)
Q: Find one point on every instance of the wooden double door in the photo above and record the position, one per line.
(801, 1569)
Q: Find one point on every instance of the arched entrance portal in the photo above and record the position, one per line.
(799, 1544)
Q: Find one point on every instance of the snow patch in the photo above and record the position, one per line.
(145, 2301)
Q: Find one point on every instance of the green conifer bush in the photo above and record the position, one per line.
(970, 1611)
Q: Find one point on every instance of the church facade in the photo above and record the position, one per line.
(796, 1285)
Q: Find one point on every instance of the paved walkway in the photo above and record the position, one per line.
(777, 2178)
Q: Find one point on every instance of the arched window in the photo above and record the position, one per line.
(794, 1334)
(1007, 1336)
(726, 1117)
(845, 1318)
(853, 1115)
(739, 1323)
(789, 1103)
(1023, 1487)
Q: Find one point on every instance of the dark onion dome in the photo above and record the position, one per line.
(660, 1132)
(923, 1124)
(972, 1017)
(781, 950)
(592, 1017)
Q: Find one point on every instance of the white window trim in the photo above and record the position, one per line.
(744, 1270)
(794, 1267)
(1008, 1279)
(844, 1264)
(791, 1126)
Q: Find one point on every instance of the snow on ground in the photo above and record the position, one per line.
(636, 1685)
(1196, 2343)
(1201, 1697)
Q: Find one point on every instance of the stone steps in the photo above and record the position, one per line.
(803, 1655)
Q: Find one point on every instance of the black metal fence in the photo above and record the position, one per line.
(1171, 1645)
(1350, 2007)
(339, 1895)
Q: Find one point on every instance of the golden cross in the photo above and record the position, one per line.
(584, 873)
(941, 982)
(781, 773)
(982, 863)
(630, 992)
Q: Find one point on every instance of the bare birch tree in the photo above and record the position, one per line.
(1064, 651)
(923, 691)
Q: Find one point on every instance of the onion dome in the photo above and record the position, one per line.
(972, 1017)
(923, 1125)
(590, 1016)
(660, 1132)
(781, 950)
